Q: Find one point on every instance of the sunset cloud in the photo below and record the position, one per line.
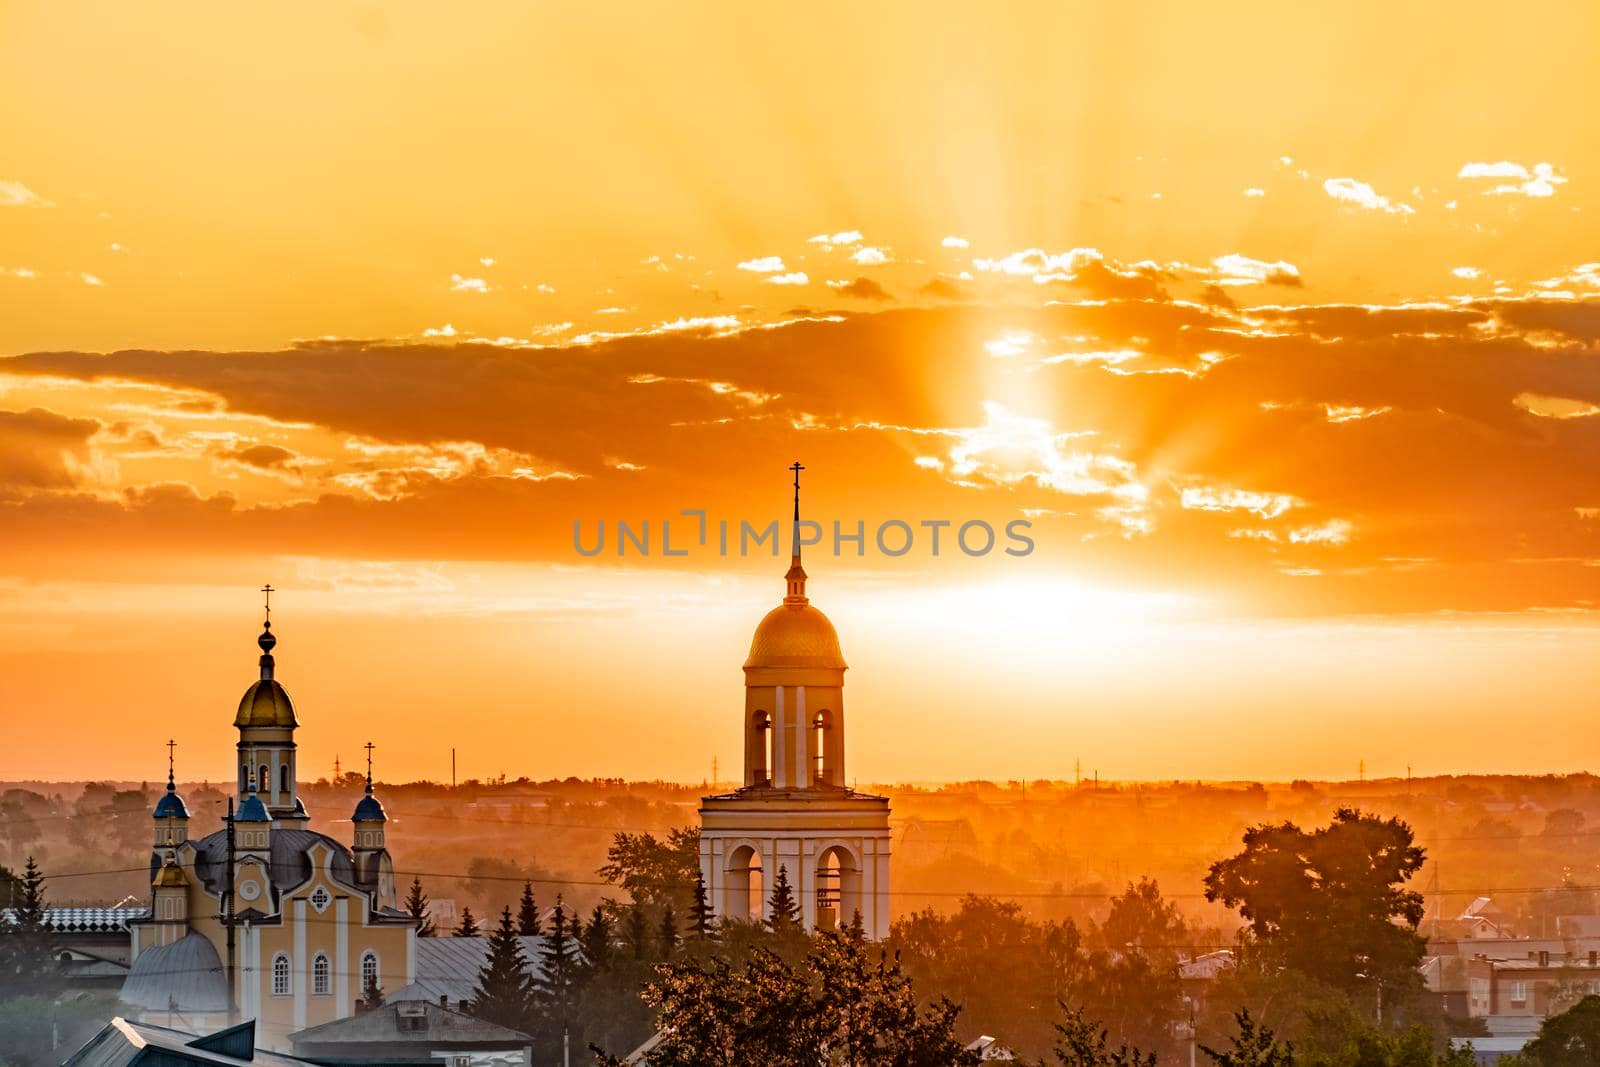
(15, 194)
(1237, 269)
(1362, 195)
(1539, 181)
(763, 265)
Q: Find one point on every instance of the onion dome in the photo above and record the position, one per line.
(251, 809)
(171, 805)
(265, 703)
(369, 809)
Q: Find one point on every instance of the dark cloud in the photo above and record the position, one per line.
(941, 289)
(864, 289)
(40, 449)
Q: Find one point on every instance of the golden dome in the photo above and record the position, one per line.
(170, 876)
(795, 635)
(265, 704)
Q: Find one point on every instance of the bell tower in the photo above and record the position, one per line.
(795, 810)
(266, 723)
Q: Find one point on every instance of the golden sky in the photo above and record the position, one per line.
(1279, 324)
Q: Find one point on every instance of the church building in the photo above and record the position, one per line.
(794, 812)
(282, 925)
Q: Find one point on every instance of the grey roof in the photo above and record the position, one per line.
(121, 1043)
(187, 972)
(86, 920)
(382, 1025)
(288, 865)
(449, 967)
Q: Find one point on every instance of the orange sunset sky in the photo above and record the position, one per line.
(1279, 322)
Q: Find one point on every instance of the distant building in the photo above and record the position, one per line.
(447, 969)
(90, 944)
(414, 1032)
(795, 812)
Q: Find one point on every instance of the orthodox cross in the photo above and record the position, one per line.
(797, 468)
(268, 590)
(170, 746)
(369, 747)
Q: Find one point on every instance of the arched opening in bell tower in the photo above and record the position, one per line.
(745, 885)
(821, 748)
(838, 882)
(761, 761)
(264, 779)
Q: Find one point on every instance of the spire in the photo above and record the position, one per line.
(369, 746)
(796, 578)
(266, 640)
(172, 785)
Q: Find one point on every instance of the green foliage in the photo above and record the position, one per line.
(1571, 1039)
(1331, 903)
(528, 913)
(468, 926)
(667, 936)
(416, 906)
(594, 940)
(1082, 1043)
(655, 873)
(1253, 1046)
(504, 994)
(636, 931)
(27, 964)
(846, 1005)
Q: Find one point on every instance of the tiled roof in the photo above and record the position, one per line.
(85, 920)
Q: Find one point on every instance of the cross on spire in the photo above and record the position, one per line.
(171, 744)
(369, 746)
(797, 468)
(268, 591)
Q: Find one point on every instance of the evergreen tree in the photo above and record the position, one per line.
(556, 987)
(669, 934)
(638, 932)
(27, 963)
(700, 914)
(785, 912)
(1253, 1046)
(372, 995)
(595, 940)
(528, 914)
(469, 925)
(857, 930)
(505, 991)
(417, 907)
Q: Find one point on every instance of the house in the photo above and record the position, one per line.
(1513, 996)
(447, 969)
(121, 1043)
(91, 944)
(414, 1032)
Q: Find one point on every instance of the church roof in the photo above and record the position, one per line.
(369, 809)
(288, 862)
(251, 809)
(265, 703)
(170, 806)
(185, 976)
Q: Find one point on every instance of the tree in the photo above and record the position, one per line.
(1083, 1043)
(595, 939)
(504, 994)
(557, 986)
(468, 926)
(528, 913)
(1331, 903)
(842, 1005)
(27, 964)
(668, 945)
(372, 995)
(1252, 1046)
(785, 912)
(655, 873)
(1571, 1039)
(700, 914)
(638, 932)
(417, 907)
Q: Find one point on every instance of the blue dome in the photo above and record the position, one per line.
(369, 809)
(252, 810)
(170, 806)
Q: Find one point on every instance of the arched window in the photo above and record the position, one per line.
(264, 779)
(369, 972)
(283, 779)
(280, 975)
(244, 778)
(321, 976)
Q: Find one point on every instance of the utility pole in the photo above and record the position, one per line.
(227, 919)
(452, 768)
